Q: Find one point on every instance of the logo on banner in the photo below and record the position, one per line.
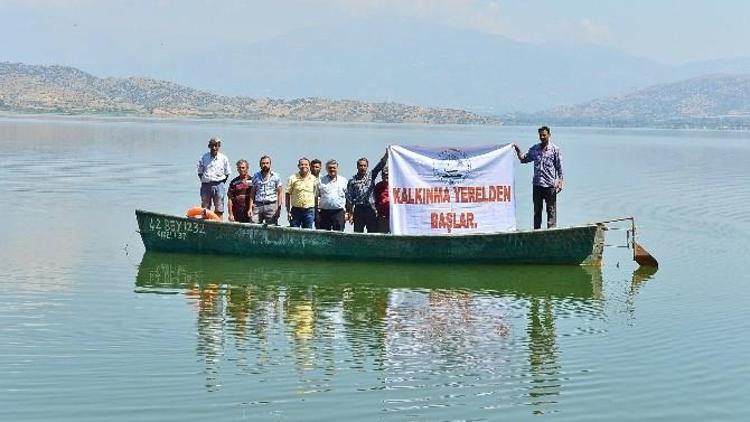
(452, 166)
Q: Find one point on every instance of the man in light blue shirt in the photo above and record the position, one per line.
(266, 193)
(548, 176)
(332, 198)
(213, 171)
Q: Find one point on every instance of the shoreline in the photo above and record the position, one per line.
(136, 118)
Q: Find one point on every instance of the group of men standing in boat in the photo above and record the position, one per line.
(328, 202)
(310, 200)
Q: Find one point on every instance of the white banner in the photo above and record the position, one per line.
(451, 191)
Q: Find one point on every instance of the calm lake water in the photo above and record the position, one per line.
(91, 328)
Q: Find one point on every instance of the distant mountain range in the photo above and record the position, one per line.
(60, 89)
(386, 60)
(714, 101)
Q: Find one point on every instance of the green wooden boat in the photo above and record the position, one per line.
(581, 245)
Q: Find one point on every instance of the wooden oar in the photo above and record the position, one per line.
(642, 257)
(640, 254)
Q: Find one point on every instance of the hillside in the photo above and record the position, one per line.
(714, 101)
(60, 89)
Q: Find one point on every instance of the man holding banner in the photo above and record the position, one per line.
(383, 203)
(360, 203)
(548, 176)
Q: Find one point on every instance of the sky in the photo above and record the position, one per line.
(83, 33)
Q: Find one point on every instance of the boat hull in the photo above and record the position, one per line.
(572, 245)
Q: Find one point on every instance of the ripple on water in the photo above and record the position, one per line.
(79, 340)
(80, 175)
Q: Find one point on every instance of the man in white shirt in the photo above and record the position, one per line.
(332, 199)
(213, 171)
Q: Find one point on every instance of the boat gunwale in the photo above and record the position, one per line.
(384, 235)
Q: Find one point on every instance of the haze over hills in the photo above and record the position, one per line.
(713, 101)
(414, 62)
(60, 89)
(402, 60)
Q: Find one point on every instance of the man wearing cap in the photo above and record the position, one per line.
(213, 171)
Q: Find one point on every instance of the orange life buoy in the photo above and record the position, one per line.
(195, 212)
(202, 213)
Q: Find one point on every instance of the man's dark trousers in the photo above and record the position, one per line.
(332, 220)
(549, 196)
(364, 217)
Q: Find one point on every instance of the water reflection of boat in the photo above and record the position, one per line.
(642, 275)
(441, 317)
(571, 245)
(163, 270)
